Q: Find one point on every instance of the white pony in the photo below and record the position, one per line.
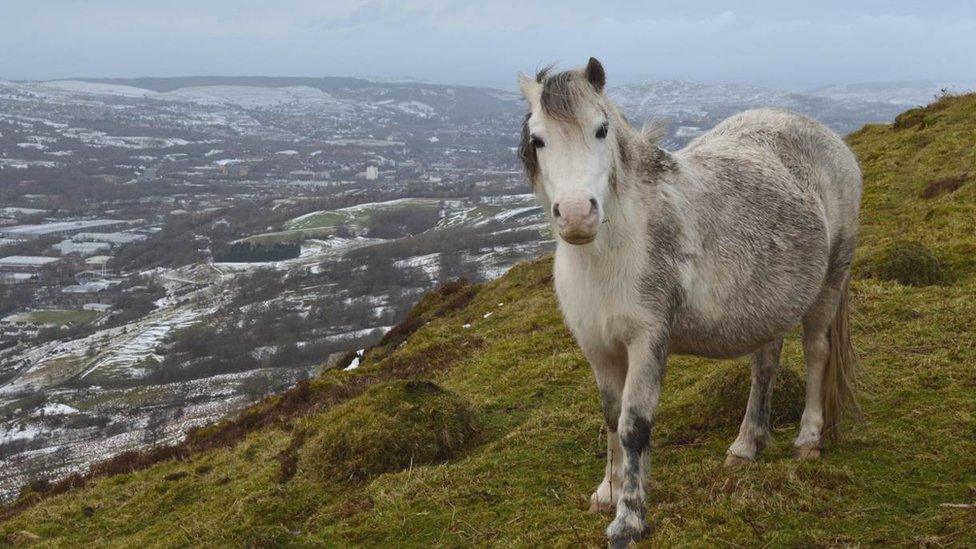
(716, 250)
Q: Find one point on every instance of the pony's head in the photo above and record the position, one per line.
(570, 147)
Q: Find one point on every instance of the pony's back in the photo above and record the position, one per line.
(814, 154)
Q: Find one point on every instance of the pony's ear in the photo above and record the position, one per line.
(595, 74)
(528, 86)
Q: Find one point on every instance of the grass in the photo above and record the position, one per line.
(290, 236)
(399, 424)
(504, 428)
(900, 161)
(325, 223)
(57, 369)
(61, 318)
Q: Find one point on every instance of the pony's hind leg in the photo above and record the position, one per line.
(754, 431)
(816, 352)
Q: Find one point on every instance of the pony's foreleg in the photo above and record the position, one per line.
(647, 355)
(609, 372)
(754, 431)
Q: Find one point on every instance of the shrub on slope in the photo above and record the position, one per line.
(910, 263)
(392, 426)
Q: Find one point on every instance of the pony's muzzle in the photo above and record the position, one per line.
(577, 220)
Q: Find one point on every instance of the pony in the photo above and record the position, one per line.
(716, 250)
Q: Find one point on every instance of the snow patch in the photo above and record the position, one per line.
(56, 409)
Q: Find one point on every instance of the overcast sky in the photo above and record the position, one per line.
(768, 42)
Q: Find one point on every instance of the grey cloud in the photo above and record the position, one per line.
(486, 43)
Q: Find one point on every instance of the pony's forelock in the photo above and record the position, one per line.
(564, 92)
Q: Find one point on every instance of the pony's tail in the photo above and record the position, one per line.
(839, 395)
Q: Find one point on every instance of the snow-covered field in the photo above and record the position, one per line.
(95, 404)
(79, 423)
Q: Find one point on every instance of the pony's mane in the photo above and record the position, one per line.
(526, 153)
(654, 131)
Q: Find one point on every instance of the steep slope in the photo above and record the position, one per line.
(476, 421)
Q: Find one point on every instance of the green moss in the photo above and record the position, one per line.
(910, 263)
(392, 426)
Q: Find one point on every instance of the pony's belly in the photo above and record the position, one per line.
(734, 303)
(713, 342)
(742, 324)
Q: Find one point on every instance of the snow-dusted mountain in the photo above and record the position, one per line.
(675, 97)
(906, 93)
(326, 93)
(689, 107)
(693, 108)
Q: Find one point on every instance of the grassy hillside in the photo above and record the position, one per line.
(476, 422)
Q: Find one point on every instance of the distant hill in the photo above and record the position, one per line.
(696, 107)
(476, 421)
(701, 106)
(451, 101)
(910, 93)
(164, 84)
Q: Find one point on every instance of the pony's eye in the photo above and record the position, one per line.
(601, 133)
(538, 143)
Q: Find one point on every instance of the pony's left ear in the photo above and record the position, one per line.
(528, 86)
(595, 74)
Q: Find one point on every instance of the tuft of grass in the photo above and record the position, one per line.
(390, 427)
(910, 263)
(921, 117)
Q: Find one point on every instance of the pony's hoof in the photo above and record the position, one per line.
(732, 460)
(627, 528)
(620, 543)
(807, 452)
(602, 500)
(600, 507)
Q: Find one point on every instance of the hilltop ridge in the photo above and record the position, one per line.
(476, 421)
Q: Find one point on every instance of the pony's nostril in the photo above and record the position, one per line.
(555, 210)
(593, 206)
